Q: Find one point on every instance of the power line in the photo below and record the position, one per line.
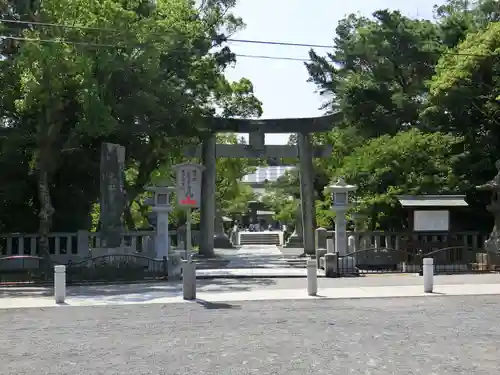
(264, 57)
(99, 45)
(248, 41)
(110, 30)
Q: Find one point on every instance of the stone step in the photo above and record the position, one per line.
(259, 238)
(297, 262)
(295, 241)
(210, 263)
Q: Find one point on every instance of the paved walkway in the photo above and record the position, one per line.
(253, 261)
(256, 256)
(164, 295)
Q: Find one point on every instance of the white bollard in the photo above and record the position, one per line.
(312, 278)
(60, 283)
(428, 273)
(189, 280)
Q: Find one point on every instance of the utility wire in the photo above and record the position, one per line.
(109, 30)
(233, 40)
(139, 46)
(117, 46)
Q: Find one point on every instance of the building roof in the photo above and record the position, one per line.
(269, 173)
(432, 200)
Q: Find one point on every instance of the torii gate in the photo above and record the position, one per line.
(209, 151)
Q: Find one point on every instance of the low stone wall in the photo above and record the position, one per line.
(65, 247)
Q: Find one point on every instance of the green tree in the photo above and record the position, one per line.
(282, 196)
(457, 18)
(464, 99)
(376, 74)
(138, 73)
(411, 162)
(342, 140)
(231, 195)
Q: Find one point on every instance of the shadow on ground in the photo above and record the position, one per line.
(140, 292)
(216, 305)
(8, 292)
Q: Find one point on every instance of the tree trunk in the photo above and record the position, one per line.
(132, 192)
(46, 212)
(127, 216)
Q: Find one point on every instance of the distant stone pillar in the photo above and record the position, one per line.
(321, 236)
(161, 206)
(207, 207)
(112, 198)
(340, 204)
(307, 191)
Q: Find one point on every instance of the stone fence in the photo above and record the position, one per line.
(404, 241)
(75, 246)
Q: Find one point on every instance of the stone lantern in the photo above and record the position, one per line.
(161, 206)
(492, 244)
(340, 204)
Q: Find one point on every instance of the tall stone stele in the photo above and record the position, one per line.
(112, 197)
(492, 244)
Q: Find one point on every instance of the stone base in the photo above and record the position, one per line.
(100, 251)
(347, 266)
(336, 266)
(174, 266)
(221, 241)
(320, 253)
(330, 264)
(295, 241)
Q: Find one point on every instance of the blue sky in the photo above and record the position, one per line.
(282, 85)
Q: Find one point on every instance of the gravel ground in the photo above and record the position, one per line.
(431, 336)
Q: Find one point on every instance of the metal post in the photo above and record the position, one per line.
(188, 234)
(60, 283)
(312, 278)
(428, 273)
(188, 280)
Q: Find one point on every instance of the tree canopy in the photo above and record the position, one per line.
(418, 102)
(76, 73)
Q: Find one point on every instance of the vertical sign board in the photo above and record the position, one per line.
(189, 185)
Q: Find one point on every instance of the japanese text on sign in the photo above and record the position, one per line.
(188, 186)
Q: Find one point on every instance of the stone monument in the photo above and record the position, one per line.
(492, 244)
(112, 194)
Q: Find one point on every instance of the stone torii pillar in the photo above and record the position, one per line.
(308, 206)
(257, 148)
(207, 205)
